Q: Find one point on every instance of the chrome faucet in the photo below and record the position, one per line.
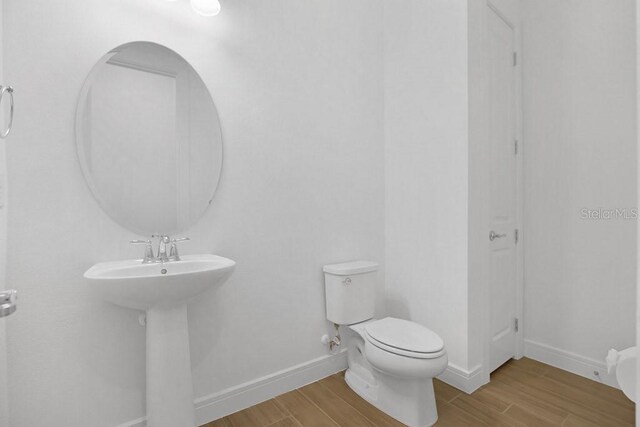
(162, 247)
(161, 256)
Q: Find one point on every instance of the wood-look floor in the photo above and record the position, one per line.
(521, 393)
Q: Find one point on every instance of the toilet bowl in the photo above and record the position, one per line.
(624, 364)
(391, 362)
(396, 380)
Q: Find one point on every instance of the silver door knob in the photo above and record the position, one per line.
(493, 235)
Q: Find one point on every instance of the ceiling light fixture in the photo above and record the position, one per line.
(206, 7)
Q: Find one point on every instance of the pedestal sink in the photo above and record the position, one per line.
(163, 290)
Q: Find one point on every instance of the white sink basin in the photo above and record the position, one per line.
(140, 286)
(163, 290)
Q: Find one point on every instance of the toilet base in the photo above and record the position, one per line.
(412, 402)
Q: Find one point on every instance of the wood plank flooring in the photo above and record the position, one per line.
(521, 393)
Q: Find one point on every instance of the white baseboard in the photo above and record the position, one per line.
(568, 361)
(462, 379)
(233, 399)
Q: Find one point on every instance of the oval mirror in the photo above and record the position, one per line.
(149, 139)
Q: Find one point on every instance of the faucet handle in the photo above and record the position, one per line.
(173, 253)
(163, 237)
(140, 242)
(148, 250)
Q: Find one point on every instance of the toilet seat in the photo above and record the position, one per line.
(405, 338)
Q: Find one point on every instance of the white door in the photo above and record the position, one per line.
(502, 233)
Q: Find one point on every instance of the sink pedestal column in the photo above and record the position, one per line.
(169, 382)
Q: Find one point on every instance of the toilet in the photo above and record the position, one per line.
(391, 362)
(624, 364)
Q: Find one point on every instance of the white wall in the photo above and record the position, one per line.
(580, 152)
(298, 86)
(426, 167)
(479, 179)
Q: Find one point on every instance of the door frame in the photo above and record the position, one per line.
(480, 163)
(4, 363)
(513, 22)
(638, 195)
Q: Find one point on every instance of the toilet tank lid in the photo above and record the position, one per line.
(353, 267)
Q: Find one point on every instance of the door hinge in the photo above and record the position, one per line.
(516, 235)
(515, 58)
(516, 324)
(515, 146)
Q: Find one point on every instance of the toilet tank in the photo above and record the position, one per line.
(350, 291)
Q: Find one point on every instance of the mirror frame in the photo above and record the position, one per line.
(80, 151)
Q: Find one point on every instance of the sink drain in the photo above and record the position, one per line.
(163, 271)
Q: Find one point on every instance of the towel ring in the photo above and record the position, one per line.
(3, 90)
